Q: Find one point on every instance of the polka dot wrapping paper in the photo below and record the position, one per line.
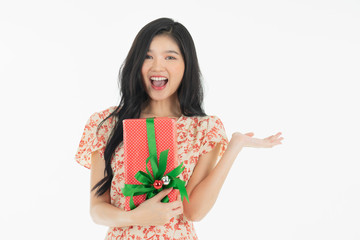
(136, 151)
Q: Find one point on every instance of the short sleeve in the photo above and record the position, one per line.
(214, 134)
(90, 141)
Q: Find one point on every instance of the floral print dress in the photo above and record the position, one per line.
(196, 136)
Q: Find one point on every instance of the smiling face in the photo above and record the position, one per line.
(163, 68)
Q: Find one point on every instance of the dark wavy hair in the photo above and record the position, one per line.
(132, 91)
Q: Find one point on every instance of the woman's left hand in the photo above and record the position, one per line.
(247, 140)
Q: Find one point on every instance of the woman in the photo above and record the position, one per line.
(160, 78)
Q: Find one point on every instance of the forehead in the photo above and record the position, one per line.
(161, 43)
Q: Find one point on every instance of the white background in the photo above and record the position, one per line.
(268, 66)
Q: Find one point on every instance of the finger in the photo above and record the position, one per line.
(278, 134)
(269, 137)
(179, 198)
(179, 209)
(163, 193)
(177, 212)
(277, 140)
(174, 205)
(274, 137)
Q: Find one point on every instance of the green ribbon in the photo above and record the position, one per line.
(158, 169)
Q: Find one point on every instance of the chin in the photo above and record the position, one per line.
(156, 98)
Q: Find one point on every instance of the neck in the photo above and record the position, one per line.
(163, 108)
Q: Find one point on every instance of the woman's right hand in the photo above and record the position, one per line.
(154, 212)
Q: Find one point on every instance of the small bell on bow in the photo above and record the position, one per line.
(166, 180)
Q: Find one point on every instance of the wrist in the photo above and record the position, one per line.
(133, 217)
(125, 218)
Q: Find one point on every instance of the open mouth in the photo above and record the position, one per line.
(158, 82)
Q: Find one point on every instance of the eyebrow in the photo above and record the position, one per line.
(168, 51)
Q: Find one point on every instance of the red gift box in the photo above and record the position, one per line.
(136, 151)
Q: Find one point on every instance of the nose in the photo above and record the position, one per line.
(157, 65)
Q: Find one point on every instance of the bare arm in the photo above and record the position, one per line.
(206, 181)
(101, 209)
(150, 212)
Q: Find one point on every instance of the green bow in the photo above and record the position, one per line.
(147, 180)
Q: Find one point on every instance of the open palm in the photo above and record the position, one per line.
(247, 140)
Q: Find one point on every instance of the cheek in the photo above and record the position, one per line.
(179, 70)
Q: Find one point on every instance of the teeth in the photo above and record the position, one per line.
(158, 78)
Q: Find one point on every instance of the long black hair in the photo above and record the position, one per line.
(132, 91)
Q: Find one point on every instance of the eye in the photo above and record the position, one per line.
(170, 58)
(148, 57)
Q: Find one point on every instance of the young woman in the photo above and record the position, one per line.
(160, 78)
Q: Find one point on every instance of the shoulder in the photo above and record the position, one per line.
(103, 113)
(205, 122)
(99, 116)
(92, 139)
(201, 126)
(209, 118)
